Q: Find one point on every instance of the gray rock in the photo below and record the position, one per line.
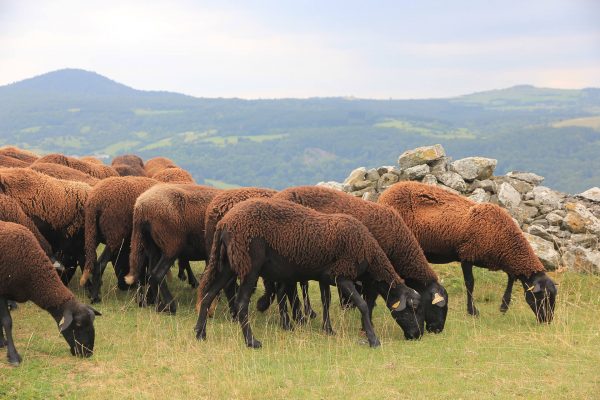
(453, 181)
(358, 175)
(421, 155)
(363, 185)
(384, 169)
(528, 177)
(480, 196)
(372, 175)
(541, 222)
(508, 196)
(439, 166)
(580, 220)
(585, 240)
(417, 172)
(370, 196)
(579, 259)
(524, 213)
(395, 171)
(472, 168)
(592, 194)
(540, 232)
(486, 184)
(547, 196)
(494, 199)
(360, 193)
(449, 189)
(429, 180)
(332, 185)
(387, 180)
(563, 234)
(546, 209)
(554, 218)
(521, 186)
(544, 250)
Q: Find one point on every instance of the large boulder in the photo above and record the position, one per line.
(508, 195)
(429, 180)
(358, 175)
(580, 220)
(581, 260)
(592, 194)
(472, 168)
(453, 181)
(387, 180)
(480, 196)
(544, 250)
(421, 155)
(417, 172)
(547, 196)
(528, 177)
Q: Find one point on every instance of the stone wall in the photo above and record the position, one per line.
(563, 229)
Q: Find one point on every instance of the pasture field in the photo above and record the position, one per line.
(144, 355)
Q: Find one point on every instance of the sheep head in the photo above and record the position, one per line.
(77, 327)
(403, 303)
(540, 294)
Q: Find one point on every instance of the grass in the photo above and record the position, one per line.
(141, 354)
(431, 130)
(121, 146)
(585, 122)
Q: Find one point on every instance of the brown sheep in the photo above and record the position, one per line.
(128, 159)
(10, 162)
(92, 160)
(109, 219)
(394, 237)
(95, 170)
(26, 273)
(174, 175)
(20, 154)
(157, 164)
(451, 228)
(168, 223)
(63, 172)
(286, 242)
(57, 208)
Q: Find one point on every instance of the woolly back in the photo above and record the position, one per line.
(303, 236)
(223, 202)
(26, 273)
(57, 202)
(157, 164)
(385, 224)
(128, 159)
(174, 175)
(494, 240)
(20, 154)
(10, 162)
(63, 172)
(129, 170)
(91, 160)
(95, 170)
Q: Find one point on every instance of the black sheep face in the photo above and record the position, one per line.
(403, 303)
(540, 294)
(77, 327)
(434, 300)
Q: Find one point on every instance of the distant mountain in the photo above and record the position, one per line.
(278, 143)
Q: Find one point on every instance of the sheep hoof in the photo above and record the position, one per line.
(16, 361)
(254, 344)
(182, 276)
(263, 304)
(200, 335)
(503, 307)
(312, 314)
(329, 331)
(374, 343)
(473, 311)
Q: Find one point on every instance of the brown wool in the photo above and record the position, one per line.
(63, 172)
(96, 170)
(10, 162)
(174, 175)
(20, 154)
(157, 164)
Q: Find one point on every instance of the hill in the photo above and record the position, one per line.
(285, 142)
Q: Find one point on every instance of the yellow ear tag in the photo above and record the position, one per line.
(396, 305)
(62, 321)
(437, 298)
(530, 288)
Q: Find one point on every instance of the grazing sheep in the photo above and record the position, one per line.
(26, 274)
(157, 164)
(286, 242)
(174, 175)
(129, 170)
(395, 239)
(20, 154)
(63, 172)
(92, 160)
(129, 165)
(10, 162)
(95, 170)
(57, 208)
(451, 228)
(109, 219)
(168, 223)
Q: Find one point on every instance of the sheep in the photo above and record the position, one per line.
(10, 162)
(394, 237)
(453, 228)
(26, 274)
(174, 175)
(57, 208)
(109, 219)
(129, 165)
(128, 170)
(286, 242)
(95, 170)
(92, 160)
(168, 223)
(63, 172)
(157, 164)
(20, 154)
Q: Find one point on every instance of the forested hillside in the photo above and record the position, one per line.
(278, 143)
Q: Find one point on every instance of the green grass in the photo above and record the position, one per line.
(166, 142)
(120, 146)
(585, 122)
(430, 130)
(141, 354)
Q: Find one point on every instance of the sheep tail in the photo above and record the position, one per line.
(91, 242)
(210, 272)
(136, 254)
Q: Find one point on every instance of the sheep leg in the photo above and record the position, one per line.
(292, 295)
(307, 308)
(370, 295)
(97, 272)
(181, 274)
(13, 356)
(191, 278)
(121, 266)
(286, 325)
(349, 289)
(243, 300)
(467, 269)
(264, 302)
(212, 289)
(326, 300)
(157, 276)
(507, 294)
(230, 292)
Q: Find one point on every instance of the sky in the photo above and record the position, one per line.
(272, 49)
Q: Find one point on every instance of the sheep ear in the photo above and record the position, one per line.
(96, 312)
(400, 304)
(66, 321)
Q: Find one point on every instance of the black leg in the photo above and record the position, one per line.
(284, 318)
(347, 286)
(181, 274)
(467, 269)
(190, 274)
(507, 294)
(370, 295)
(97, 272)
(326, 300)
(243, 299)
(308, 311)
(13, 357)
(292, 295)
(230, 292)
(212, 289)
(264, 302)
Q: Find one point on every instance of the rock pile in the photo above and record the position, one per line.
(563, 229)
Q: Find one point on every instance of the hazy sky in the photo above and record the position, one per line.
(264, 49)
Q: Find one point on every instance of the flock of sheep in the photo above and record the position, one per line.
(55, 210)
